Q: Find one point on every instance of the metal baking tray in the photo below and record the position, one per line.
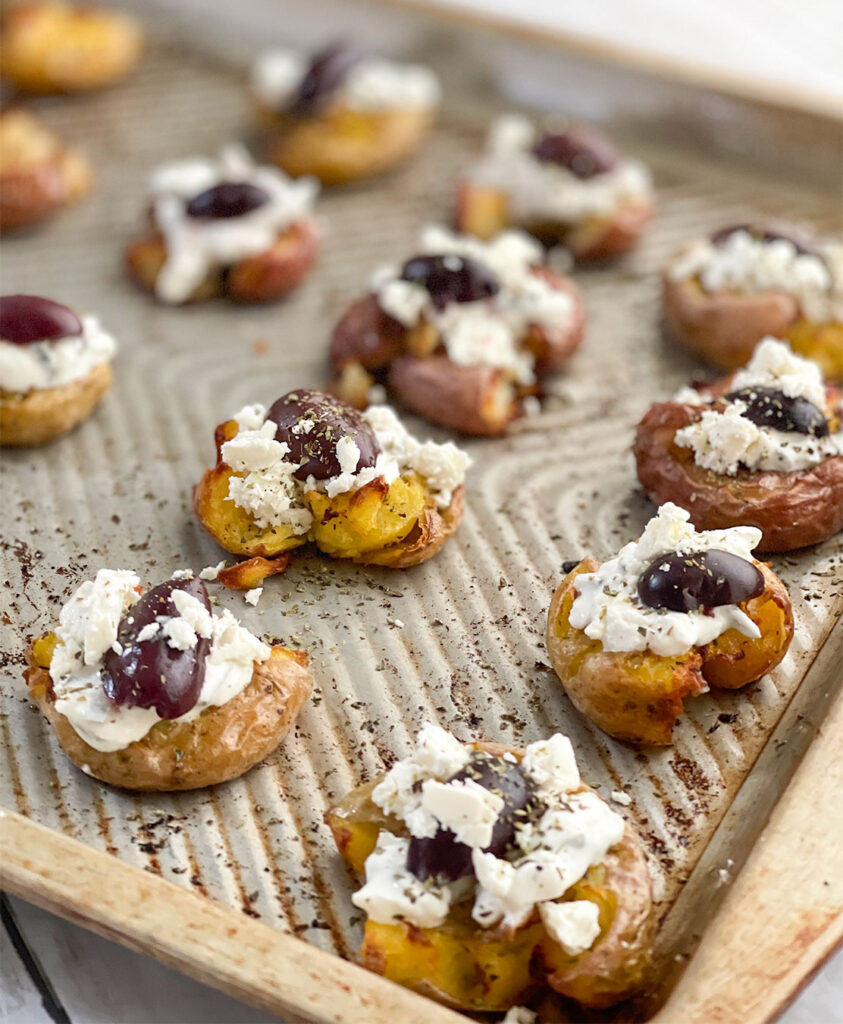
(457, 640)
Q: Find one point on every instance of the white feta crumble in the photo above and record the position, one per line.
(372, 84)
(540, 190)
(88, 626)
(725, 441)
(253, 596)
(619, 797)
(212, 572)
(607, 607)
(392, 894)
(195, 245)
(519, 1015)
(552, 766)
(57, 361)
(464, 807)
(574, 925)
(486, 332)
(744, 263)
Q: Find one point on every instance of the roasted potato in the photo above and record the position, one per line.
(479, 401)
(261, 278)
(38, 173)
(792, 509)
(724, 327)
(43, 414)
(485, 212)
(477, 969)
(638, 696)
(221, 744)
(48, 47)
(342, 145)
(395, 526)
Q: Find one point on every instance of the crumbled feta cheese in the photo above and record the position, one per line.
(573, 925)
(607, 607)
(541, 191)
(519, 1015)
(775, 365)
(211, 572)
(253, 596)
(370, 85)
(391, 894)
(464, 807)
(88, 626)
(251, 417)
(54, 363)
(552, 766)
(744, 263)
(619, 797)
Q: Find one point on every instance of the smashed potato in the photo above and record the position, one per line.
(48, 47)
(221, 744)
(638, 696)
(38, 173)
(43, 414)
(490, 969)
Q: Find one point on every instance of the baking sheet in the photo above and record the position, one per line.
(458, 640)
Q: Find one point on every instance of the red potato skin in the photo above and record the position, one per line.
(724, 327)
(792, 510)
(553, 347)
(366, 335)
(612, 236)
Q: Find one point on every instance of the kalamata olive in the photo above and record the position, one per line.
(442, 857)
(326, 73)
(767, 407)
(570, 565)
(585, 153)
(312, 423)
(151, 673)
(28, 318)
(765, 233)
(684, 583)
(228, 199)
(451, 278)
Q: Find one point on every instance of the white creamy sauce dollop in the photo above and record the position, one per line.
(607, 607)
(539, 190)
(726, 441)
(485, 332)
(195, 246)
(87, 629)
(264, 484)
(747, 264)
(53, 363)
(372, 84)
(574, 832)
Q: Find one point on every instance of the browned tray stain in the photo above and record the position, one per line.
(469, 653)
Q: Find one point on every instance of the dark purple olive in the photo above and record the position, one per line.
(228, 199)
(28, 318)
(442, 857)
(684, 583)
(585, 153)
(150, 673)
(767, 407)
(766, 233)
(312, 423)
(451, 278)
(328, 69)
(570, 565)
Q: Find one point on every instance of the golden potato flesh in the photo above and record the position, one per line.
(472, 968)
(638, 696)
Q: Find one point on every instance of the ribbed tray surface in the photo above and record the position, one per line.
(468, 651)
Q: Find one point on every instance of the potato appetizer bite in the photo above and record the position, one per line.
(342, 115)
(313, 469)
(38, 173)
(672, 614)
(464, 333)
(154, 691)
(564, 183)
(763, 448)
(54, 369)
(492, 872)
(225, 227)
(724, 293)
(58, 47)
